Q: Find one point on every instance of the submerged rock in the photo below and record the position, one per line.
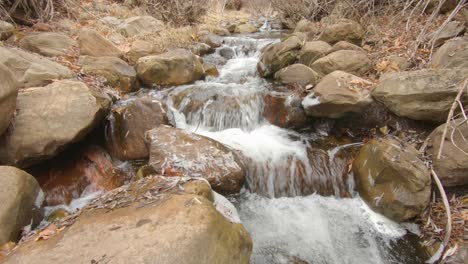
(8, 93)
(173, 221)
(176, 152)
(351, 61)
(21, 197)
(47, 43)
(299, 74)
(452, 167)
(127, 124)
(93, 44)
(49, 118)
(420, 95)
(343, 29)
(175, 67)
(453, 54)
(392, 179)
(279, 55)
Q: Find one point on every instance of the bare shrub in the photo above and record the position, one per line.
(234, 4)
(176, 12)
(42, 10)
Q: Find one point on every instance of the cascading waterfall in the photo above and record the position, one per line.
(288, 221)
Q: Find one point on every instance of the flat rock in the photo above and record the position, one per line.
(93, 44)
(140, 25)
(351, 61)
(453, 54)
(47, 43)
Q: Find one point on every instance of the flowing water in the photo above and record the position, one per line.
(280, 206)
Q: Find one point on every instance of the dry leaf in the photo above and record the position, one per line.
(49, 232)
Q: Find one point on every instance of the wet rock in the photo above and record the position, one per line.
(172, 213)
(210, 70)
(48, 43)
(176, 152)
(344, 29)
(420, 95)
(175, 67)
(452, 167)
(41, 129)
(451, 30)
(201, 49)
(309, 28)
(392, 179)
(127, 124)
(227, 53)
(312, 51)
(344, 45)
(279, 55)
(8, 93)
(351, 61)
(139, 48)
(393, 63)
(88, 170)
(140, 25)
(117, 72)
(31, 69)
(93, 44)
(284, 109)
(337, 94)
(6, 30)
(245, 28)
(453, 54)
(211, 40)
(21, 196)
(297, 73)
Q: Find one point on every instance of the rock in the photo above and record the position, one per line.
(452, 167)
(337, 94)
(127, 124)
(343, 29)
(220, 31)
(453, 54)
(210, 70)
(420, 95)
(392, 179)
(288, 22)
(6, 30)
(227, 53)
(201, 49)
(8, 94)
(175, 222)
(31, 69)
(111, 21)
(344, 45)
(140, 25)
(21, 198)
(117, 72)
(279, 55)
(48, 43)
(231, 27)
(176, 152)
(245, 28)
(393, 63)
(211, 40)
(89, 170)
(284, 109)
(312, 51)
(116, 38)
(139, 48)
(350, 61)
(451, 30)
(175, 67)
(41, 129)
(93, 44)
(307, 27)
(297, 73)
(43, 27)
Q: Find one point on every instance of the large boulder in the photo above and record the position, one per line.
(6, 30)
(127, 124)
(392, 179)
(452, 167)
(49, 118)
(21, 196)
(31, 69)
(154, 220)
(8, 94)
(351, 61)
(284, 109)
(343, 29)
(47, 43)
(309, 28)
(453, 54)
(175, 67)
(93, 44)
(312, 51)
(117, 72)
(176, 152)
(81, 171)
(279, 55)
(140, 25)
(337, 94)
(420, 95)
(139, 48)
(451, 30)
(297, 73)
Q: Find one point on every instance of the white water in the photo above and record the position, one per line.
(310, 228)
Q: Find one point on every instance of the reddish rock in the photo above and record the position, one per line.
(284, 109)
